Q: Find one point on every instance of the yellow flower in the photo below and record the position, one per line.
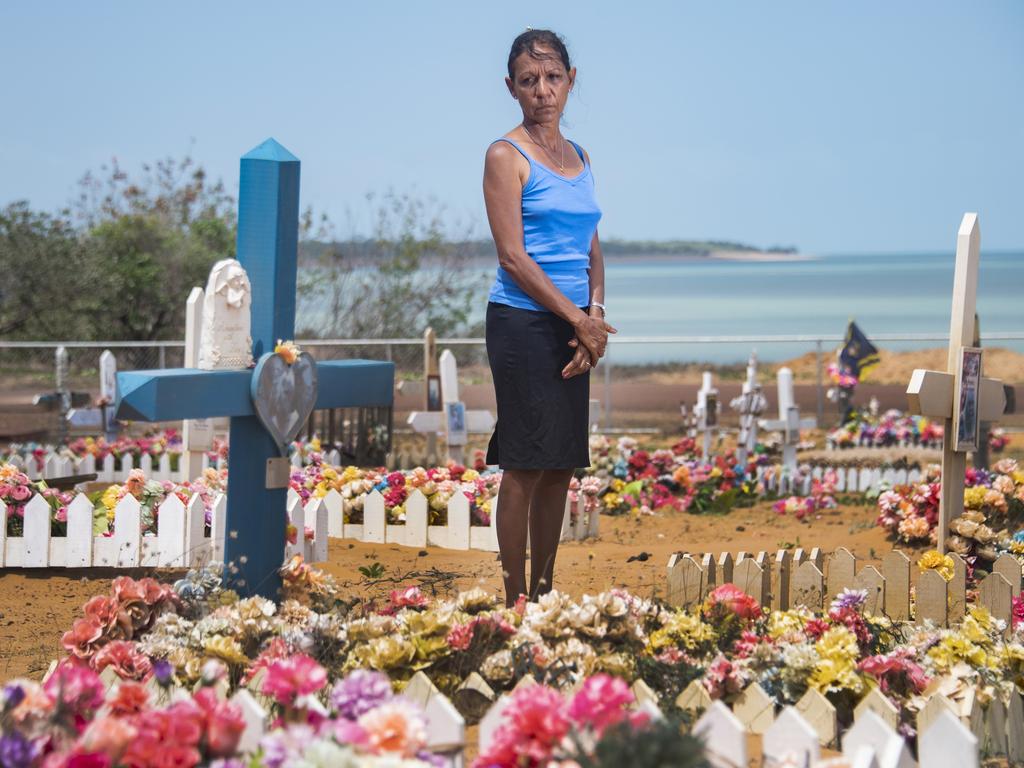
(682, 629)
(287, 351)
(974, 498)
(978, 626)
(782, 623)
(470, 475)
(617, 485)
(227, 649)
(314, 444)
(934, 561)
(836, 669)
(954, 648)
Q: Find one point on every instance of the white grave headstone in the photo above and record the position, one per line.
(196, 434)
(225, 342)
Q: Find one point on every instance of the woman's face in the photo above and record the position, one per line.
(541, 86)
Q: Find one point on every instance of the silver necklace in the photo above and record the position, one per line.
(561, 163)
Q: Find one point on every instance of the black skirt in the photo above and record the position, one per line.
(543, 419)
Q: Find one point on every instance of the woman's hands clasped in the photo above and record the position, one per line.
(590, 343)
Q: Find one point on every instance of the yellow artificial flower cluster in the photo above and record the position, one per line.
(836, 669)
(788, 623)
(933, 560)
(682, 629)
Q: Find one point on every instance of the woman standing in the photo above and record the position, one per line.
(545, 315)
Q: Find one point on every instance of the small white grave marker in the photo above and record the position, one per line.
(750, 404)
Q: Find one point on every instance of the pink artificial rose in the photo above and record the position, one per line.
(224, 723)
(107, 735)
(21, 492)
(125, 658)
(410, 597)
(77, 688)
(289, 678)
(736, 601)
(601, 702)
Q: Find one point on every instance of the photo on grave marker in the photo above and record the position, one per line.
(434, 392)
(456, 418)
(965, 417)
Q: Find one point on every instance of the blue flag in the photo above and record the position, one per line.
(858, 355)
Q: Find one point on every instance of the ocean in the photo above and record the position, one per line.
(884, 293)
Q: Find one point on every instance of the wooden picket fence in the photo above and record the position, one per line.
(951, 734)
(798, 577)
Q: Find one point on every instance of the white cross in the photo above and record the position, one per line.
(706, 411)
(789, 421)
(750, 405)
(937, 394)
(433, 422)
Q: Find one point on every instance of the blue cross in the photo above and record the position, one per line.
(268, 220)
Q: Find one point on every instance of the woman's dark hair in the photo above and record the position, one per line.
(532, 41)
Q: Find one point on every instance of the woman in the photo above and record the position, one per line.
(545, 315)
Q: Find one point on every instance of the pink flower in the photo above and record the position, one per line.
(395, 727)
(21, 492)
(601, 702)
(298, 675)
(536, 721)
(107, 735)
(1017, 611)
(224, 723)
(79, 689)
(410, 597)
(735, 600)
(125, 658)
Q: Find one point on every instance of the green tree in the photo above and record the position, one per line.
(410, 274)
(43, 262)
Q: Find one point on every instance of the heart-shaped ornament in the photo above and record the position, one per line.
(284, 395)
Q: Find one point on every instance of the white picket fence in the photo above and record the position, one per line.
(181, 540)
(457, 533)
(778, 480)
(951, 734)
(182, 543)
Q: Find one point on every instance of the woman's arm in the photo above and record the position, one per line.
(575, 366)
(503, 190)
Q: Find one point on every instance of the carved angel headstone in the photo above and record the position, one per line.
(225, 341)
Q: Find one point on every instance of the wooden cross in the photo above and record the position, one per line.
(940, 395)
(268, 218)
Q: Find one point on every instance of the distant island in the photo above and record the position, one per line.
(368, 251)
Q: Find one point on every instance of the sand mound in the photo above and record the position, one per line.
(897, 367)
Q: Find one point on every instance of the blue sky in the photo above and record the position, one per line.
(835, 126)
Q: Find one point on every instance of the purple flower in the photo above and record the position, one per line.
(12, 696)
(16, 751)
(163, 671)
(850, 598)
(360, 692)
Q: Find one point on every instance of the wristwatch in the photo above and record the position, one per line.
(600, 306)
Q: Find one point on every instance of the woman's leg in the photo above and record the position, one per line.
(547, 510)
(517, 487)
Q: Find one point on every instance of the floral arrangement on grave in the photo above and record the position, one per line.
(287, 351)
(822, 497)
(16, 490)
(197, 633)
(890, 428)
(992, 500)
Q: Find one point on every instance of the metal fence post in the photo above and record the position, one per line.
(162, 356)
(821, 391)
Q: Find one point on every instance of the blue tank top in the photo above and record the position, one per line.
(560, 217)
